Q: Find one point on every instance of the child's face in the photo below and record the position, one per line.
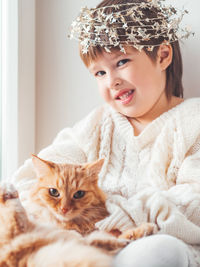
(131, 83)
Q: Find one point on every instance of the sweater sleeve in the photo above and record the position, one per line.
(176, 211)
(74, 145)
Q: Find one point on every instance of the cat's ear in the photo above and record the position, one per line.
(94, 168)
(41, 166)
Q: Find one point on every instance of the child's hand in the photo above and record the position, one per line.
(115, 224)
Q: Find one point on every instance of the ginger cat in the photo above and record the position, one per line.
(72, 198)
(26, 244)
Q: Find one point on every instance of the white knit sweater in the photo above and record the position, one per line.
(151, 177)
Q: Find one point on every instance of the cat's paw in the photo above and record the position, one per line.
(106, 241)
(144, 229)
(109, 245)
(7, 191)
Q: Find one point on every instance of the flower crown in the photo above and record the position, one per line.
(144, 24)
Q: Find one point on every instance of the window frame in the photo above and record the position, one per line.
(18, 83)
(9, 85)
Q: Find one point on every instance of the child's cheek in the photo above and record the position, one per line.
(105, 94)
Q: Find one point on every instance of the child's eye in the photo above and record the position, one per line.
(100, 73)
(122, 62)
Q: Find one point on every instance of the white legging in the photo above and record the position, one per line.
(153, 251)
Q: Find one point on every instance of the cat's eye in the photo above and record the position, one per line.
(79, 194)
(54, 192)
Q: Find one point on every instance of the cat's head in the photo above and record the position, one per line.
(67, 190)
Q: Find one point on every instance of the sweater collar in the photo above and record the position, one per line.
(150, 132)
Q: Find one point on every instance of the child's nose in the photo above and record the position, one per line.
(115, 82)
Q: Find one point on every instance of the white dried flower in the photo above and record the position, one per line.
(128, 24)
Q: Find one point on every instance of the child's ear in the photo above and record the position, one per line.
(164, 55)
(42, 167)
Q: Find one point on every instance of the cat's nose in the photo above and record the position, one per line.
(64, 210)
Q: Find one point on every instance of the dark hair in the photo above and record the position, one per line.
(174, 71)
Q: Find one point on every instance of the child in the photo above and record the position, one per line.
(148, 135)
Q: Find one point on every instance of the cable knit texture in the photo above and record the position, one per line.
(152, 177)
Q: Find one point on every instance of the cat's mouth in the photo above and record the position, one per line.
(64, 217)
(70, 215)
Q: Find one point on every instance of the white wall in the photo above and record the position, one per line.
(65, 91)
(26, 79)
(190, 50)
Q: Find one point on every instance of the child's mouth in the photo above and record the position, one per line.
(126, 96)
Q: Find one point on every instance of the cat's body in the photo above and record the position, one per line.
(25, 244)
(70, 197)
